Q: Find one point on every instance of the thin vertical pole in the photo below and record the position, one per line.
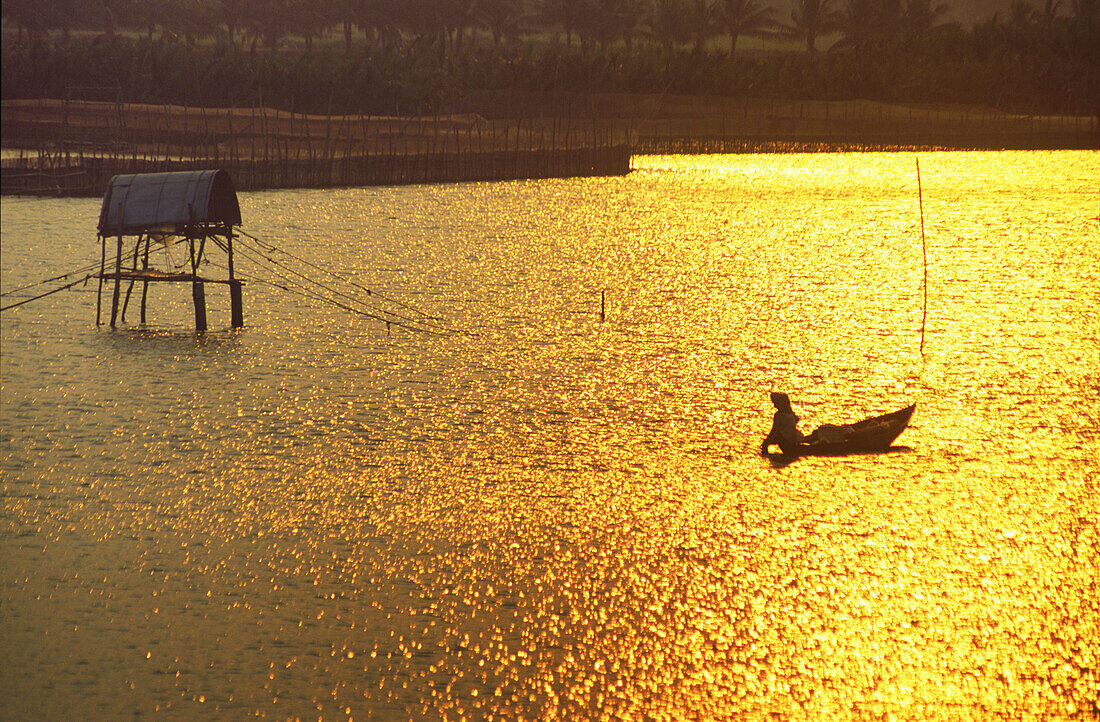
(924, 250)
(130, 288)
(118, 268)
(102, 269)
(236, 311)
(198, 292)
(236, 308)
(118, 282)
(229, 247)
(145, 284)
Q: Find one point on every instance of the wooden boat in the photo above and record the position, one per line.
(872, 434)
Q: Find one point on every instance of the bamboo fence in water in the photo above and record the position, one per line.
(75, 147)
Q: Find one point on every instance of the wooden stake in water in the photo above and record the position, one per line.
(924, 250)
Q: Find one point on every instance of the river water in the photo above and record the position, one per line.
(533, 512)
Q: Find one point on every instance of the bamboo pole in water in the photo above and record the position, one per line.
(118, 277)
(924, 250)
(145, 284)
(102, 270)
(130, 287)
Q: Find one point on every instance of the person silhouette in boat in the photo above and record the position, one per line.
(784, 433)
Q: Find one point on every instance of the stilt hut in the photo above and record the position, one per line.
(190, 207)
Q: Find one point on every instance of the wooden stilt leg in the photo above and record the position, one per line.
(102, 268)
(118, 283)
(130, 288)
(236, 305)
(198, 292)
(144, 284)
(126, 300)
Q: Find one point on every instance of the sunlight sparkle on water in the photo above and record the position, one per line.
(553, 517)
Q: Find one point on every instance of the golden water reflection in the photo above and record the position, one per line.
(562, 518)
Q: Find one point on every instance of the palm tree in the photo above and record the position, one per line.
(1086, 12)
(613, 20)
(270, 21)
(857, 22)
(866, 22)
(26, 15)
(922, 17)
(668, 22)
(346, 11)
(702, 17)
(423, 19)
(569, 15)
(811, 19)
(457, 16)
(1050, 11)
(503, 18)
(146, 16)
(233, 16)
(312, 18)
(1021, 14)
(742, 17)
(374, 17)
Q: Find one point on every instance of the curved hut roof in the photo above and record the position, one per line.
(168, 202)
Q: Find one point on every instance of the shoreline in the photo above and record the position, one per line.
(87, 176)
(73, 148)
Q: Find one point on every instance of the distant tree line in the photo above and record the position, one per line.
(380, 55)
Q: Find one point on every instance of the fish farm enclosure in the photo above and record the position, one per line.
(74, 146)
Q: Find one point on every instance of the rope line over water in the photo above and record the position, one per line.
(83, 269)
(48, 293)
(297, 287)
(370, 292)
(62, 277)
(86, 270)
(295, 281)
(261, 253)
(327, 287)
